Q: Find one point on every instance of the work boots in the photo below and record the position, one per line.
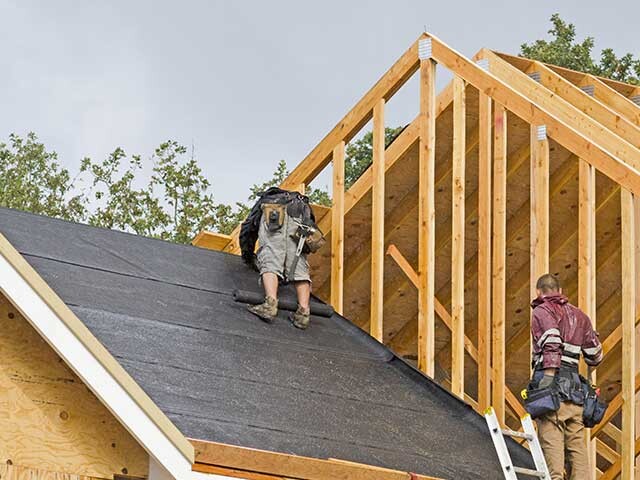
(300, 318)
(267, 310)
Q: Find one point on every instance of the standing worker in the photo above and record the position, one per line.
(284, 225)
(560, 333)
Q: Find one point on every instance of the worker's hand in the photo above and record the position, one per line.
(547, 380)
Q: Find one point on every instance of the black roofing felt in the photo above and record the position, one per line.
(166, 313)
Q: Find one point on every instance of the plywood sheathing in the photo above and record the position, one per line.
(48, 418)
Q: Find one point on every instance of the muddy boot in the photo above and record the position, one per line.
(267, 311)
(300, 318)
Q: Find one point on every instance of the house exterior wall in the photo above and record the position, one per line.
(49, 420)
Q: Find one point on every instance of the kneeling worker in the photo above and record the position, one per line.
(561, 332)
(284, 225)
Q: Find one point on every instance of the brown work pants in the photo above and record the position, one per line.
(560, 431)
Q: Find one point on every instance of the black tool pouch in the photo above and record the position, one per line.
(593, 408)
(273, 215)
(540, 401)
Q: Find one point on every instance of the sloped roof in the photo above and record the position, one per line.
(166, 313)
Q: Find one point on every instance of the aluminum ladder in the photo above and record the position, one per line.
(529, 435)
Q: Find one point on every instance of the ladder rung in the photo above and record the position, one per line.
(514, 434)
(528, 471)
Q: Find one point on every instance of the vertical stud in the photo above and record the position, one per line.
(337, 230)
(377, 224)
(426, 218)
(499, 259)
(484, 252)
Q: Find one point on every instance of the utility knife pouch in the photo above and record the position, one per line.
(273, 215)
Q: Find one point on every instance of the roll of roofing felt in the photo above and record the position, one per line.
(319, 309)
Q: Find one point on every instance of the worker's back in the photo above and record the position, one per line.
(560, 332)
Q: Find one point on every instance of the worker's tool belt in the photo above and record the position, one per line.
(594, 408)
(569, 384)
(540, 401)
(314, 238)
(273, 215)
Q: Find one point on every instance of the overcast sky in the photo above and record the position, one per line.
(246, 82)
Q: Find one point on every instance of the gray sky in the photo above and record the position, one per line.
(247, 82)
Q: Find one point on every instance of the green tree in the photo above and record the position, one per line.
(359, 154)
(31, 179)
(563, 50)
(175, 204)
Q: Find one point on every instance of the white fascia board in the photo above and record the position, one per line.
(157, 472)
(92, 372)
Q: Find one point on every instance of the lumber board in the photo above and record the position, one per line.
(586, 265)
(457, 239)
(362, 186)
(615, 404)
(614, 470)
(567, 114)
(628, 335)
(47, 411)
(426, 219)
(618, 102)
(394, 152)
(539, 203)
(377, 224)
(606, 452)
(211, 240)
(484, 251)
(587, 148)
(498, 280)
(404, 265)
(595, 107)
(337, 230)
(291, 466)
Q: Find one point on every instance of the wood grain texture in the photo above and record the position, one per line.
(576, 137)
(426, 219)
(457, 238)
(485, 121)
(48, 418)
(376, 328)
(292, 466)
(80, 330)
(628, 335)
(499, 260)
(337, 230)
(19, 472)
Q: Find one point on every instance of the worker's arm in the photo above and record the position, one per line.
(546, 339)
(591, 346)
(249, 233)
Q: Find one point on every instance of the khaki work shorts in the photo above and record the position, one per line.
(277, 251)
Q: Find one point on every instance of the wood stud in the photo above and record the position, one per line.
(457, 238)
(484, 252)
(499, 260)
(587, 261)
(628, 334)
(337, 230)
(377, 225)
(426, 218)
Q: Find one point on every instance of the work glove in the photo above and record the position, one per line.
(547, 380)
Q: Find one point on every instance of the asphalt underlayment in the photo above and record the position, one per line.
(166, 313)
